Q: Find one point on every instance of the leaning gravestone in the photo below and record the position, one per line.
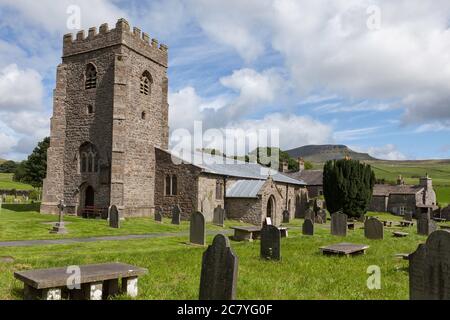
(219, 216)
(308, 227)
(373, 229)
(426, 226)
(158, 214)
(176, 214)
(219, 271)
(408, 216)
(197, 229)
(429, 271)
(286, 216)
(321, 216)
(113, 217)
(270, 243)
(310, 214)
(339, 224)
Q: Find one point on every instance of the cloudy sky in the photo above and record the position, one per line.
(374, 75)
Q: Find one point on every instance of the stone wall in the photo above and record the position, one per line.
(314, 191)
(187, 185)
(408, 201)
(379, 204)
(207, 200)
(246, 210)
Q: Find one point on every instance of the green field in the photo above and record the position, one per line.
(174, 266)
(7, 183)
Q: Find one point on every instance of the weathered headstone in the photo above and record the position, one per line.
(176, 214)
(373, 229)
(219, 216)
(429, 271)
(426, 226)
(197, 229)
(408, 216)
(310, 214)
(308, 227)
(158, 214)
(339, 224)
(286, 216)
(113, 217)
(270, 243)
(321, 216)
(219, 271)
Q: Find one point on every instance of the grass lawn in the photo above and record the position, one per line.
(174, 266)
(7, 183)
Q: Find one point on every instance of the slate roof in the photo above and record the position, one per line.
(386, 189)
(310, 177)
(245, 189)
(233, 168)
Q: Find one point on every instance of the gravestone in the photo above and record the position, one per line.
(270, 243)
(267, 221)
(219, 271)
(219, 216)
(373, 229)
(308, 227)
(408, 216)
(158, 214)
(322, 215)
(310, 214)
(286, 216)
(176, 214)
(197, 229)
(429, 271)
(339, 224)
(113, 217)
(426, 226)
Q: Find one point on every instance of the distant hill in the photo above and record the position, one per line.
(322, 153)
(2, 160)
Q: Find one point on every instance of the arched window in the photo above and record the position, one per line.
(171, 185)
(143, 115)
(90, 109)
(88, 158)
(146, 83)
(91, 77)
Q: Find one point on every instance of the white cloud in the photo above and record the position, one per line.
(326, 44)
(20, 89)
(386, 152)
(354, 134)
(6, 143)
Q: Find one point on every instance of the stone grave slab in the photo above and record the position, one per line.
(339, 224)
(176, 215)
(197, 229)
(373, 229)
(114, 217)
(270, 248)
(219, 216)
(347, 249)
(308, 227)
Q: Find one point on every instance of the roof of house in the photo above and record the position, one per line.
(233, 168)
(310, 177)
(386, 189)
(245, 189)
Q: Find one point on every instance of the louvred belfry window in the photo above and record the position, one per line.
(91, 77)
(146, 82)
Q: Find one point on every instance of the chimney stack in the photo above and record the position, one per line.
(284, 166)
(400, 180)
(301, 164)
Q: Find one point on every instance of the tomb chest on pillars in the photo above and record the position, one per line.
(110, 112)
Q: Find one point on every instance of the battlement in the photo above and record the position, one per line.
(121, 35)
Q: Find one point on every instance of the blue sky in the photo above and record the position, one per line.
(374, 75)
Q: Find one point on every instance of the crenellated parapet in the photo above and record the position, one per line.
(122, 34)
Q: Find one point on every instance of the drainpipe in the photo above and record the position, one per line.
(287, 197)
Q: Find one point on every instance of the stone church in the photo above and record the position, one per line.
(110, 134)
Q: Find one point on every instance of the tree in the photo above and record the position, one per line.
(8, 167)
(348, 186)
(36, 165)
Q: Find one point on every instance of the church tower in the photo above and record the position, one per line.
(110, 111)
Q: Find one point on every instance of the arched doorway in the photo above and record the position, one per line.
(89, 197)
(271, 205)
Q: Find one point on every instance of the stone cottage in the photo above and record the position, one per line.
(110, 130)
(401, 198)
(312, 178)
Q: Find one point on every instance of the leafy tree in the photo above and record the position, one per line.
(8, 167)
(36, 165)
(19, 173)
(348, 186)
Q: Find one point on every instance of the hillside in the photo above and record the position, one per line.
(2, 160)
(322, 153)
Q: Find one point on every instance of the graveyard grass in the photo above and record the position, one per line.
(174, 267)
